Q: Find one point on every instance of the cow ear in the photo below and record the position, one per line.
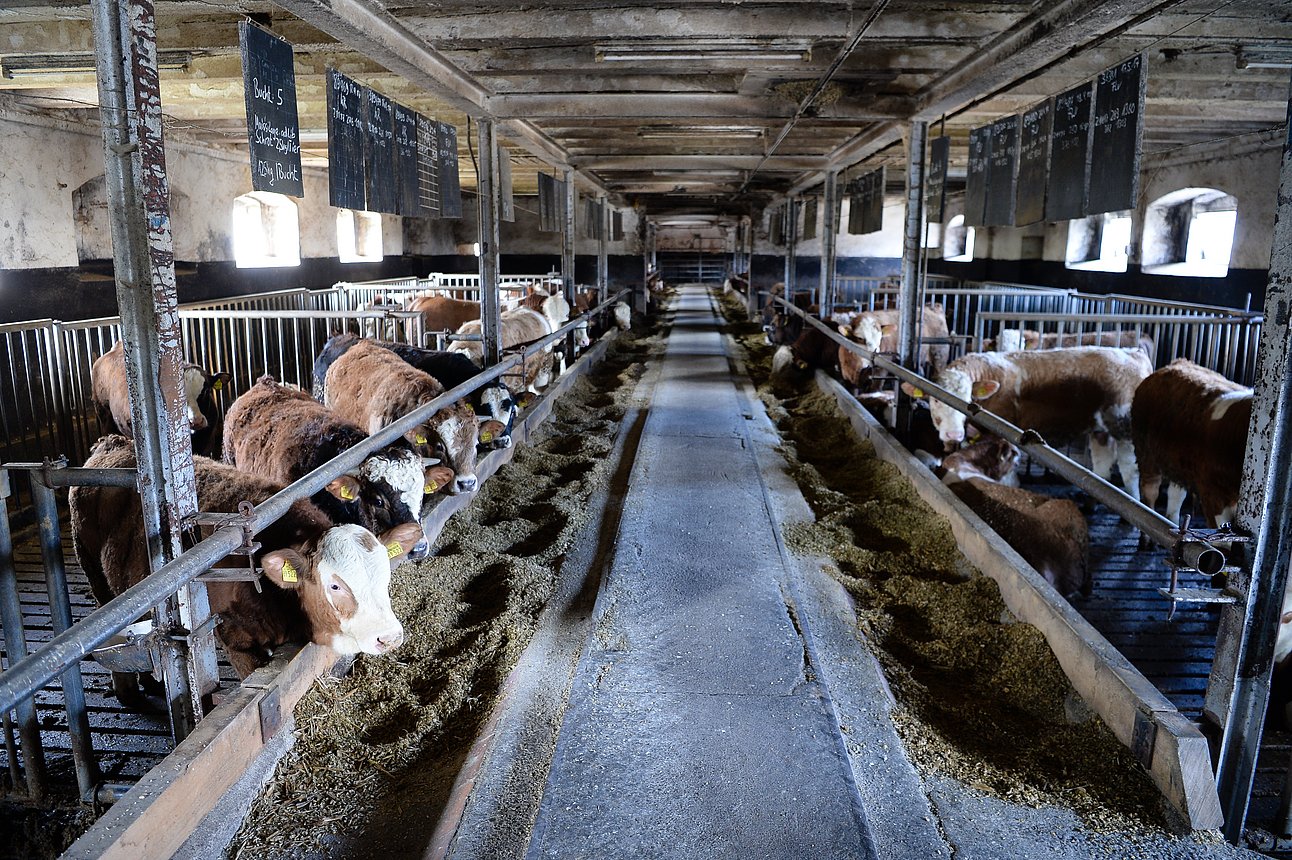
(984, 388)
(845, 330)
(220, 380)
(436, 478)
(399, 540)
(419, 437)
(285, 567)
(345, 488)
(911, 391)
(887, 330)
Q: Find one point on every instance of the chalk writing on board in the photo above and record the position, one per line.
(976, 176)
(379, 154)
(273, 128)
(406, 160)
(1116, 137)
(1065, 191)
(935, 189)
(428, 174)
(1002, 161)
(450, 183)
(345, 141)
(1033, 155)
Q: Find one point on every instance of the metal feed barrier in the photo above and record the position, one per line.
(31, 669)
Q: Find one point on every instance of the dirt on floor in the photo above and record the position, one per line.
(980, 696)
(376, 752)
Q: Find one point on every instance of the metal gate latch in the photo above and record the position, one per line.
(250, 546)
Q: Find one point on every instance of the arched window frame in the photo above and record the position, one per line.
(1190, 233)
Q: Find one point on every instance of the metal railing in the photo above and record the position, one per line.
(29, 671)
(962, 305)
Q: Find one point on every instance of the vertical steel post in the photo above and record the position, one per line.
(829, 235)
(603, 260)
(487, 183)
(791, 248)
(640, 297)
(567, 251)
(139, 213)
(911, 300)
(15, 642)
(60, 616)
(1240, 676)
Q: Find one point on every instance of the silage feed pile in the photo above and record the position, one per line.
(377, 752)
(980, 696)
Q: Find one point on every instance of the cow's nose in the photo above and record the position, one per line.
(420, 549)
(198, 422)
(464, 484)
(390, 641)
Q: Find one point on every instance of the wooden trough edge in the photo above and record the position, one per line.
(1167, 744)
(160, 812)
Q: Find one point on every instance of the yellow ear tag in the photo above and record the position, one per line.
(419, 439)
(917, 392)
(393, 549)
(431, 487)
(289, 572)
(346, 493)
(486, 436)
(217, 385)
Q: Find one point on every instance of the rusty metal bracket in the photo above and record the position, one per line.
(246, 510)
(1177, 562)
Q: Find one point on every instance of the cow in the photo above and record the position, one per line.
(1049, 533)
(494, 405)
(811, 349)
(519, 326)
(1062, 394)
(556, 308)
(323, 582)
(1189, 425)
(111, 399)
(372, 387)
(991, 458)
(877, 332)
(781, 326)
(281, 433)
(586, 300)
(441, 313)
(1018, 340)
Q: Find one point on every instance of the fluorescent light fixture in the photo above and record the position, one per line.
(699, 173)
(744, 50)
(35, 65)
(1265, 57)
(711, 132)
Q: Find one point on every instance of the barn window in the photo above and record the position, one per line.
(1190, 232)
(358, 236)
(266, 231)
(1100, 243)
(957, 241)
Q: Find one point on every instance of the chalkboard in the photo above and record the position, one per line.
(866, 203)
(616, 226)
(506, 201)
(1033, 155)
(382, 187)
(547, 204)
(450, 184)
(935, 184)
(1002, 163)
(560, 210)
(592, 219)
(1065, 191)
(976, 177)
(345, 141)
(809, 218)
(1115, 141)
(428, 170)
(406, 160)
(273, 130)
(776, 226)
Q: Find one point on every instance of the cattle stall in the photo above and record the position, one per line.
(72, 738)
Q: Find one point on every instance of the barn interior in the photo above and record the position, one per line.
(719, 139)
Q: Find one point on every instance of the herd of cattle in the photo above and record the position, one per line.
(1183, 424)
(327, 563)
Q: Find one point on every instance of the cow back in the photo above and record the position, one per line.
(441, 313)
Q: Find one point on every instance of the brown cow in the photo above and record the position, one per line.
(372, 387)
(877, 331)
(1063, 394)
(441, 313)
(1190, 427)
(519, 326)
(282, 434)
(992, 458)
(323, 583)
(111, 398)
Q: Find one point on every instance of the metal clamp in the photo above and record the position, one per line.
(250, 546)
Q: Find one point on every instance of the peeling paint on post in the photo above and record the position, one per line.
(911, 303)
(1239, 686)
(567, 251)
(135, 168)
(490, 326)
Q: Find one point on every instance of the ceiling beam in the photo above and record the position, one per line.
(696, 162)
(688, 106)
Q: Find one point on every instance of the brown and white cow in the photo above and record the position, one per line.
(324, 583)
(281, 433)
(586, 300)
(441, 313)
(519, 326)
(991, 458)
(111, 398)
(1190, 427)
(1063, 394)
(877, 332)
(1018, 340)
(372, 387)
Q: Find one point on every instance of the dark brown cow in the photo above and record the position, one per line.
(111, 398)
(372, 387)
(323, 583)
(993, 458)
(282, 434)
(1190, 427)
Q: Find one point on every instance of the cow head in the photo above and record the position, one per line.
(199, 395)
(992, 458)
(557, 310)
(449, 438)
(344, 585)
(581, 338)
(950, 423)
(387, 490)
(623, 316)
(496, 411)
